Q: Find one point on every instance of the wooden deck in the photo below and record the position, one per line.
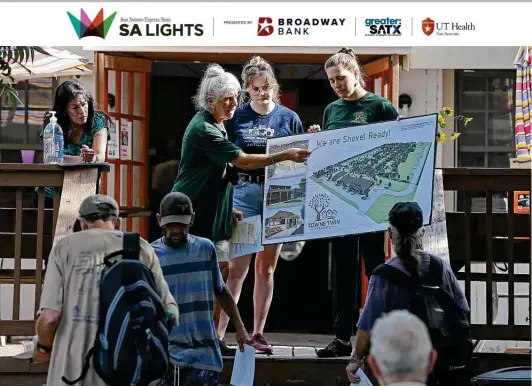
(294, 362)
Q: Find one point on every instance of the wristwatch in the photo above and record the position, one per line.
(43, 349)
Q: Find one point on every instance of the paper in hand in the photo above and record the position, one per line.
(364, 380)
(244, 367)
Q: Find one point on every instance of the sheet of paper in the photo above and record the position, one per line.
(244, 367)
(364, 380)
(241, 249)
(246, 231)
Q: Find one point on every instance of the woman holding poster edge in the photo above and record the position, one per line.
(355, 106)
(253, 123)
(205, 172)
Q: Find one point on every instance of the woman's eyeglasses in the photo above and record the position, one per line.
(256, 90)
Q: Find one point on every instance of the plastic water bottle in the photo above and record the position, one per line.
(53, 142)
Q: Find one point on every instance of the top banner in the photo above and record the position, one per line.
(275, 24)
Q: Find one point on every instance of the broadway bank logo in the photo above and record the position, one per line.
(265, 26)
(296, 25)
(98, 27)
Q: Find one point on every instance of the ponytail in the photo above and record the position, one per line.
(408, 249)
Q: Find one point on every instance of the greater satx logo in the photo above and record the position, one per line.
(383, 27)
(265, 26)
(98, 27)
(294, 25)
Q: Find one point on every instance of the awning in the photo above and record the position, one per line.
(523, 62)
(60, 62)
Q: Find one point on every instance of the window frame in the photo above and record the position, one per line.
(485, 148)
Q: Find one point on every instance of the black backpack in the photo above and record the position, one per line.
(448, 325)
(131, 345)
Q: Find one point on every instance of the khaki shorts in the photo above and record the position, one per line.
(223, 250)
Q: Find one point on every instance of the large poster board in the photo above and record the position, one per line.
(351, 180)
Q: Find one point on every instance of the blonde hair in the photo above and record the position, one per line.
(347, 59)
(257, 66)
(216, 84)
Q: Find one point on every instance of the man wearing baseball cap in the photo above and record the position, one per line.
(191, 269)
(69, 310)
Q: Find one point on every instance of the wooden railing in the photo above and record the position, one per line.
(29, 225)
(489, 236)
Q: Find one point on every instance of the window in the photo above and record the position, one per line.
(489, 98)
(488, 140)
(20, 128)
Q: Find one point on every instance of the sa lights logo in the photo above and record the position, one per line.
(98, 27)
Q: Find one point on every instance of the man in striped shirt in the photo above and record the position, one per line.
(191, 270)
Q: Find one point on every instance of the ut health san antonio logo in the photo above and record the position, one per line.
(98, 27)
(427, 26)
(265, 26)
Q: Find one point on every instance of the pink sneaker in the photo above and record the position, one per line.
(261, 345)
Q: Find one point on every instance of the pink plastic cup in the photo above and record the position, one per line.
(27, 156)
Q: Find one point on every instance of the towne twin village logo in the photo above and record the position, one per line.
(295, 26)
(98, 27)
(325, 217)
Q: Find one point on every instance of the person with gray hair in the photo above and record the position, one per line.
(208, 157)
(401, 351)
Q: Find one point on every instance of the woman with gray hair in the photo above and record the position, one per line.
(206, 157)
(386, 293)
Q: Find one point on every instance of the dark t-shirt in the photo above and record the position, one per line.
(205, 154)
(249, 130)
(381, 291)
(370, 108)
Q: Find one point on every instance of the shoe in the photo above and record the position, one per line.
(225, 349)
(261, 345)
(335, 349)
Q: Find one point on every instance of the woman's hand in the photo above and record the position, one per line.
(87, 154)
(314, 128)
(297, 155)
(237, 216)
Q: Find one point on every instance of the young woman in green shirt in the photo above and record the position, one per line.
(355, 106)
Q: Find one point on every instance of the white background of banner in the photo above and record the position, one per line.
(48, 23)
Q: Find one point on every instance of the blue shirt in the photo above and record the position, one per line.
(379, 288)
(193, 277)
(249, 130)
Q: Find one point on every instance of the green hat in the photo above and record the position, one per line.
(99, 204)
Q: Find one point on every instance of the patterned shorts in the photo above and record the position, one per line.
(177, 376)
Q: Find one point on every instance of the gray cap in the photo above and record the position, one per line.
(99, 204)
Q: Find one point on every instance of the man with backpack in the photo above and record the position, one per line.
(425, 285)
(191, 269)
(105, 309)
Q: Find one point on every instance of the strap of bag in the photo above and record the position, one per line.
(130, 249)
(131, 246)
(86, 366)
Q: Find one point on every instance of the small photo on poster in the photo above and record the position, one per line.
(125, 139)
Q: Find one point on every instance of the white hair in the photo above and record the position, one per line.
(400, 344)
(216, 84)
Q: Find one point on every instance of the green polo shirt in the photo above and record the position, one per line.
(206, 151)
(370, 108)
